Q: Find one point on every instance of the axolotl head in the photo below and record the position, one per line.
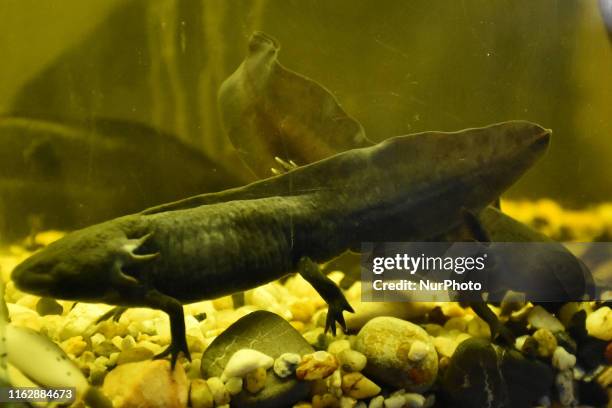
(85, 265)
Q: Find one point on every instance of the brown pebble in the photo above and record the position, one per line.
(317, 365)
(357, 386)
(608, 353)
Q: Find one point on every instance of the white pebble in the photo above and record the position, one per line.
(539, 318)
(335, 347)
(286, 364)
(321, 355)
(563, 360)
(414, 400)
(377, 402)
(418, 351)
(351, 360)
(520, 341)
(395, 401)
(244, 361)
(233, 385)
(599, 323)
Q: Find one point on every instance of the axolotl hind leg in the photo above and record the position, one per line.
(328, 290)
(483, 310)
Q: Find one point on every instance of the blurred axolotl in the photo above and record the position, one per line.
(406, 188)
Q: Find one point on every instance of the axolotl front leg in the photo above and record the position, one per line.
(308, 269)
(174, 309)
(155, 299)
(148, 297)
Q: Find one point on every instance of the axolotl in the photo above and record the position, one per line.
(406, 188)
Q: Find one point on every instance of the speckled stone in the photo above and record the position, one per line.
(386, 342)
(270, 334)
(564, 382)
(285, 365)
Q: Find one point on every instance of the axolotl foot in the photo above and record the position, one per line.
(173, 351)
(174, 309)
(334, 314)
(328, 290)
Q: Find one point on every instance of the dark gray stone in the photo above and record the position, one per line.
(48, 306)
(480, 375)
(272, 335)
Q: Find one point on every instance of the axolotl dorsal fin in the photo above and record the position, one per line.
(381, 161)
(305, 179)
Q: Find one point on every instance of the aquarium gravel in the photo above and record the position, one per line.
(400, 356)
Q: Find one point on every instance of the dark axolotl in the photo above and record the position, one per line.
(405, 188)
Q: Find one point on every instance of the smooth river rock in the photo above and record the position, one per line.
(389, 345)
(272, 335)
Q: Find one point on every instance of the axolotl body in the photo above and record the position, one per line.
(407, 188)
